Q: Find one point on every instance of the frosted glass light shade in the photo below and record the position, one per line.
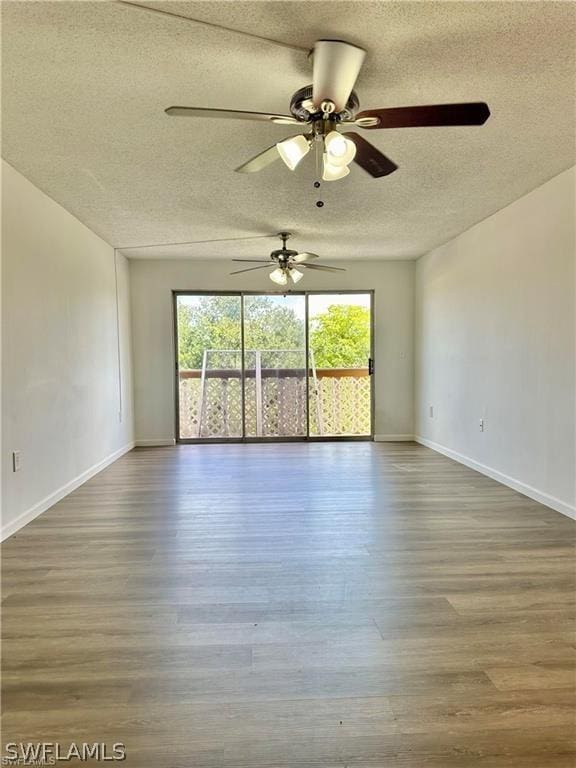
(279, 276)
(293, 150)
(296, 275)
(332, 172)
(340, 150)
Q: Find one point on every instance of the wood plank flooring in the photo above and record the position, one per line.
(323, 605)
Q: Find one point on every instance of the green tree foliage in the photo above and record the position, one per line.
(269, 325)
(214, 323)
(340, 337)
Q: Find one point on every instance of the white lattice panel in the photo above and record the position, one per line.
(188, 407)
(222, 408)
(341, 406)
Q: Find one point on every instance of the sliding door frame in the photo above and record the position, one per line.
(291, 439)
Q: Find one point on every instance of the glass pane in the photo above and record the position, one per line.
(209, 366)
(340, 387)
(275, 364)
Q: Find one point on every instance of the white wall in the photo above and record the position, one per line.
(494, 331)
(495, 339)
(62, 381)
(153, 281)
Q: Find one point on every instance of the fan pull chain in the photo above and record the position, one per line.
(318, 160)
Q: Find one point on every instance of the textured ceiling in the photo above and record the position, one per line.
(85, 85)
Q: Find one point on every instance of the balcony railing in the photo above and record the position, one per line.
(211, 401)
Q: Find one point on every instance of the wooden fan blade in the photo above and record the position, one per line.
(260, 161)
(256, 261)
(251, 269)
(371, 159)
(232, 114)
(304, 256)
(323, 268)
(473, 113)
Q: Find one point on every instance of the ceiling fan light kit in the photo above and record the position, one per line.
(283, 275)
(279, 276)
(339, 151)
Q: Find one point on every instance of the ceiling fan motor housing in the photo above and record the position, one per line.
(302, 106)
(283, 255)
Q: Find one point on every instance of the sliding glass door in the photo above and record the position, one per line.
(209, 357)
(273, 366)
(340, 353)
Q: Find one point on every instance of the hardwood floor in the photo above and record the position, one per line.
(315, 605)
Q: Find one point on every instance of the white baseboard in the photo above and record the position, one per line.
(155, 443)
(394, 438)
(26, 517)
(511, 482)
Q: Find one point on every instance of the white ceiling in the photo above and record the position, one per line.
(85, 85)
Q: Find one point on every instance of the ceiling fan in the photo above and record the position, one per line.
(286, 263)
(329, 105)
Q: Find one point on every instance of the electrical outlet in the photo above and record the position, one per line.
(431, 411)
(481, 425)
(16, 461)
